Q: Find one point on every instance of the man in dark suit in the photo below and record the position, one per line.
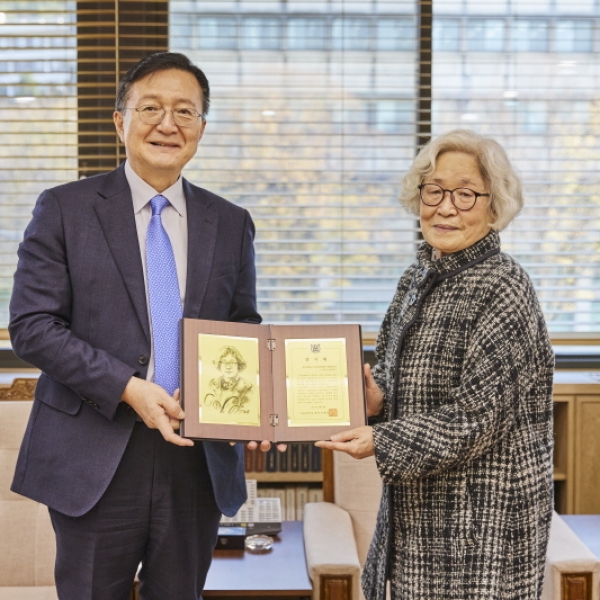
(101, 448)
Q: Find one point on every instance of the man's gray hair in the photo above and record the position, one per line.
(504, 185)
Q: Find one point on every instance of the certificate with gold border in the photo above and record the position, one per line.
(283, 383)
(317, 382)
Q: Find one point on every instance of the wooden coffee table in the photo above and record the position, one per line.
(279, 574)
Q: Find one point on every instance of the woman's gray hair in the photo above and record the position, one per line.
(504, 185)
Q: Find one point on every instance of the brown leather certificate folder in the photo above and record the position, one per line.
(283, 383)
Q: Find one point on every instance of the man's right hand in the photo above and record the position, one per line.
(156, 408)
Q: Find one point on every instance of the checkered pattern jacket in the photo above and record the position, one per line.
(464, 443)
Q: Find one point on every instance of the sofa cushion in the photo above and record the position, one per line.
(357, 489)
(27, 544)
(28, 593)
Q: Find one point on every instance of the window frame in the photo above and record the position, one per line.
(100, 65)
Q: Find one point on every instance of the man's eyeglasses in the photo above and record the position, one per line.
(153, 115)
(463, 198)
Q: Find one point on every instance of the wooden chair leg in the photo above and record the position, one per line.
(336, 587)
(576, 586)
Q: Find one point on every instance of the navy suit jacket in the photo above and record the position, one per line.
(79, 313)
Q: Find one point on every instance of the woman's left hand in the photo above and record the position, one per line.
(358, 443)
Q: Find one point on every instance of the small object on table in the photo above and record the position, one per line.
(259, 543)
(231, 538)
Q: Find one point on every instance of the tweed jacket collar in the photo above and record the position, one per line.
(427, 272)
(452, 264)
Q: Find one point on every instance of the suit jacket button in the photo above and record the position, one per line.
(143, 359)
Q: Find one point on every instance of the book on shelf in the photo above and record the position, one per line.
(248, 460)
(283, 463)
(294, 450)
(305, 457)
(259, 460)
(315, 494)
(271, 459)
(292, 498)
(316, 459)
(301, 500)
(290, 502)
(279, 492)
(282, 383)
(300, 457)
(265, 492)
(273, 492)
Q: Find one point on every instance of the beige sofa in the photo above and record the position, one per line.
(27, 548)
(337, 535)
(27, 545)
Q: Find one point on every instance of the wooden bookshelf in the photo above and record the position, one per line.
(564, 424)
(577, 442)
(278, 477)
(295, 477)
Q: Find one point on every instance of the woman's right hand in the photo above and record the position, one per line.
(374, 393)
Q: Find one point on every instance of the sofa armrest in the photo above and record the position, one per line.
(572, 570)
(330, 548)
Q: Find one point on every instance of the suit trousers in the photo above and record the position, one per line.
(159, 510)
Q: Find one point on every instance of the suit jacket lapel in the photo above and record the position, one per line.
(202, 236)
(114, 208)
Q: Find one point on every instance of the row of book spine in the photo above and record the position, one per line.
(300, 457)
(293, 498)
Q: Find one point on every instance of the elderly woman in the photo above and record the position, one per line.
(460, 402)
(230, 392)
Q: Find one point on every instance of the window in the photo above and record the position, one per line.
(306, 34)
(218, 33)
(314, 137)
(314, 144)
(485, 35)
(183, 29)
(38, 104)
(533, 117)
(529, 35)
(572, 35)
(394, 116)
(396, 34)
(350, 34)
(542, 108)
(446, 35)
(261, 34)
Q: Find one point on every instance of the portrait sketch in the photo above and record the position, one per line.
(228, 370)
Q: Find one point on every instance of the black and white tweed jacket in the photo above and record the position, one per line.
(464, 444)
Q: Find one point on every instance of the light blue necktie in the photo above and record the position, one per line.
(164, 298)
